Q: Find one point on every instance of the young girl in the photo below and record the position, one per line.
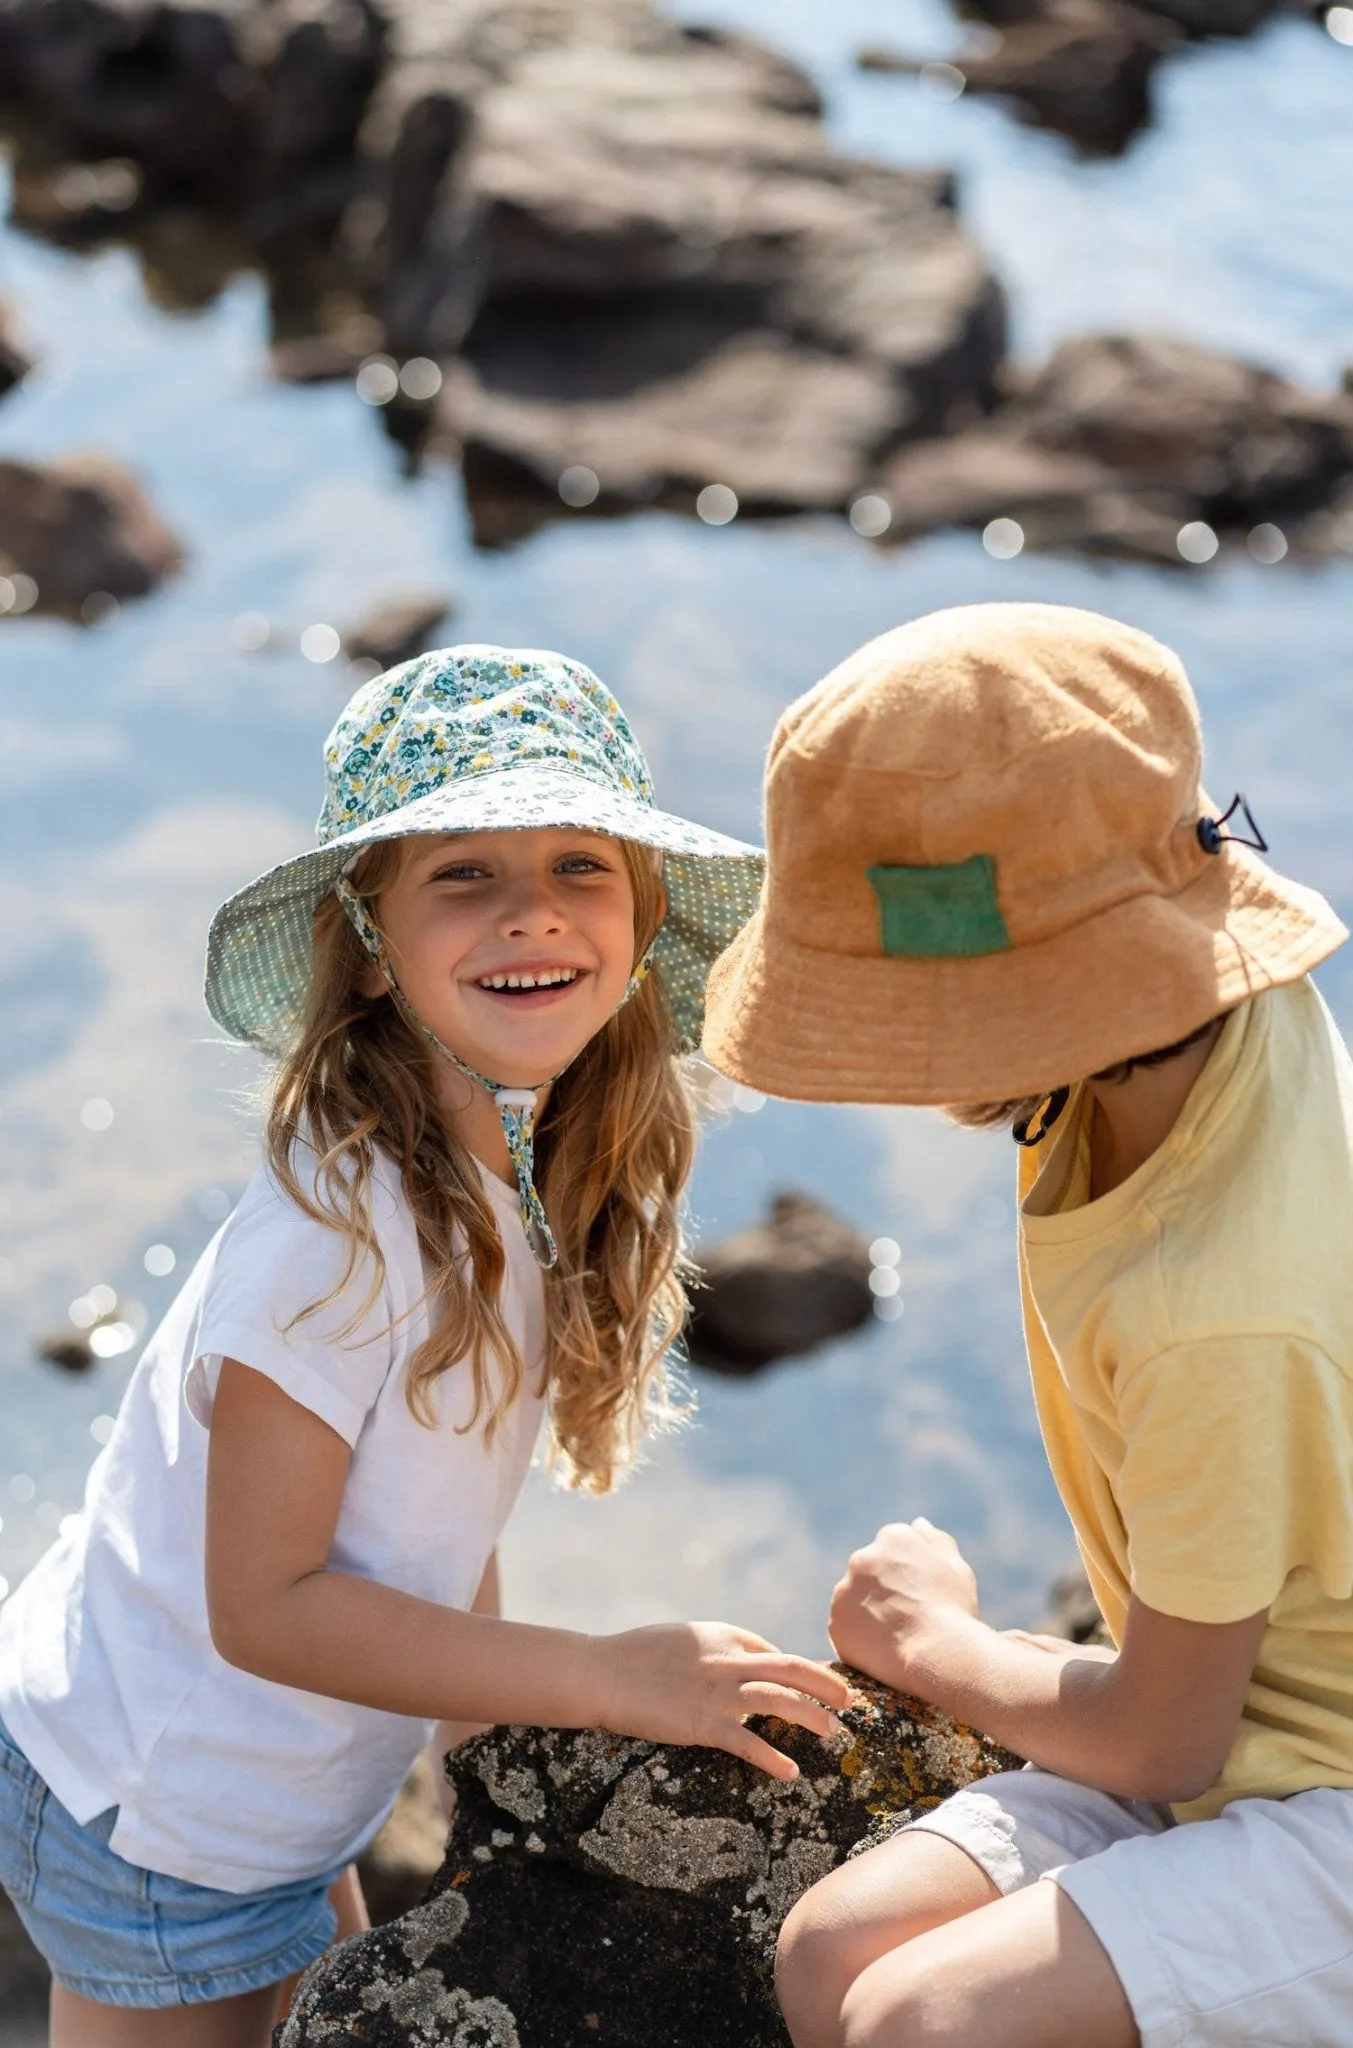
(212, 1687)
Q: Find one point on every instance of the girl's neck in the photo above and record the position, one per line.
(473, 1119)
(1131, 1119)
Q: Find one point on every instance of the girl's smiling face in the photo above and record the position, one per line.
(513, 947)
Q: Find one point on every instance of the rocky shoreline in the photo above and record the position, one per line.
(606, 262)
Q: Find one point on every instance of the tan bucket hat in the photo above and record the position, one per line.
(987, 876)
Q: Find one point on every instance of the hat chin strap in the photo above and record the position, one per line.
(516, 1106)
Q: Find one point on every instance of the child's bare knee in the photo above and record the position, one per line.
(811, 1941)
(877, 2013)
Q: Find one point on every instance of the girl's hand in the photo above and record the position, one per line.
(695, 1682)
(899, 1587)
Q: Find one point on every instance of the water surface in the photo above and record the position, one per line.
(149, 767)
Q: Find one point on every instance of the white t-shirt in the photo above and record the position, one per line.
(108, 1678)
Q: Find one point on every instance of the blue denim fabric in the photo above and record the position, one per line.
(129, 1937)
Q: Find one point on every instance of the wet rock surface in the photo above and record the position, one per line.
(780, 1289)
(83, 532)
(397, 631)
(1084, 67)
(631, 241)
(628, 265)
(601, 1889)
(1121, 441)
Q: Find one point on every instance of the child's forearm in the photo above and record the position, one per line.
(1063, 1708)
(351, 1639)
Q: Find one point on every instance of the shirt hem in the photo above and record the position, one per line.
(141, 1846)
(82, 1799)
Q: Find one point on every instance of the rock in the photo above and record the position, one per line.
(398, 1866)
(84, 530)
(1163, 414)
(1083, 67)
(782, 1288)
(1121, 440)
(1196, 18)
(630, 245)
(397, 631)
(223, 103)
(657, 273)
(69, 1349)
(1080, 67)
(327, 357)
(780, 425)
(1214, 17)
(598, 1888)
(14, 364)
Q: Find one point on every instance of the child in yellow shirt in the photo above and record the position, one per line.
(996, 882)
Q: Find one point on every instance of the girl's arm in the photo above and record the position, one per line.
(450, 1734)
(275, 1480)
(1154, 1721)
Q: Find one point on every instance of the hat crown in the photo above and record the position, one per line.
(467, 711)
(1061, 747)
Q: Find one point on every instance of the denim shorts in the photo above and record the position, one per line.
(119, 1935)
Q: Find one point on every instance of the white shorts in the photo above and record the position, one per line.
(1223, 1932)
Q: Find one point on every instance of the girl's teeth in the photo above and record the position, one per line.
(548, 980)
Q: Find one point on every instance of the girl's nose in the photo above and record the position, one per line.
(531, 909)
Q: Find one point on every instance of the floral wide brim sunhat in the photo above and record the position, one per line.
(474, 739)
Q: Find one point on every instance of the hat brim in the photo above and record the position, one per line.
(260, 948)
(816, 1026)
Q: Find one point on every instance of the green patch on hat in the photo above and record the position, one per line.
(940, 912)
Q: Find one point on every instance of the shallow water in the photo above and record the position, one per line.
(148, 768)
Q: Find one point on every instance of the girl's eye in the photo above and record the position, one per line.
(459, 871)
(581, 864)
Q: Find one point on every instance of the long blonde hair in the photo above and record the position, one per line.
(613, 1152)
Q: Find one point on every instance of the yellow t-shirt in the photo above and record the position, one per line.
(1191, 1342)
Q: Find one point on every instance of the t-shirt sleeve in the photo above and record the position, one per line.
(1238, 1471)
(272, 1264)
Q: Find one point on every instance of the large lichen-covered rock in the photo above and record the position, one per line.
(600, 1889)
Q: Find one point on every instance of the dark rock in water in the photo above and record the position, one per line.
(1164, 415)
(601, 1889)
(1122, 440)
(1198, 18)
(1214, 17)
(1080, 67)
(1084, 67)
(782, 1288)
(397, 631)
(70, 1350)
(779, 424)
(223, 103)
(84, 531)
(14, 364)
